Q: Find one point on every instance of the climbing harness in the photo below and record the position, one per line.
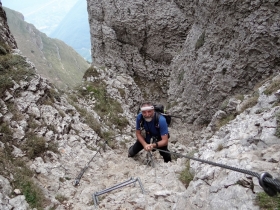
(271, 186)
(117, 186)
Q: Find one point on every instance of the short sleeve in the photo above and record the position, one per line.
(138, 119)
(163, 126)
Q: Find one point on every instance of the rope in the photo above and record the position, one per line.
(271, 186)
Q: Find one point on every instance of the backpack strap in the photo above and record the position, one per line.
(157, 123)
(157, 120)
(142, 122)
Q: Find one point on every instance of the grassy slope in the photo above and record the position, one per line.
(53, 58)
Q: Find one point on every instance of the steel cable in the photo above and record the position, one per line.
(270, 185)
(78, 178)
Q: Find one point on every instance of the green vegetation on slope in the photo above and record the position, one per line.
(13, 68)
(266, 202)
(55, 60)
(109, 110)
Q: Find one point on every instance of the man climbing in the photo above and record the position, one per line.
(156, 132)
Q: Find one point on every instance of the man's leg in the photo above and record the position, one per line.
(134, 149)
(166, 156)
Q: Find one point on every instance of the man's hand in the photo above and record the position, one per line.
(148, 147)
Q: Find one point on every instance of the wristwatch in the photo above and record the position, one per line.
(156, 145)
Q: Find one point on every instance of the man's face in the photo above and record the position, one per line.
(148, 113)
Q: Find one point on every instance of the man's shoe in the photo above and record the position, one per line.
(130, 152)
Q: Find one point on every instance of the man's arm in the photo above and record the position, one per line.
(139, 137)
(163, 142)
(164, 134)
(142, 140)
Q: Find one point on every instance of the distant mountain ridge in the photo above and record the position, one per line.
(74, 29)
(66, 20)
(55, 60)
(44, 14)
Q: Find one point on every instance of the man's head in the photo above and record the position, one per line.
(148, 111)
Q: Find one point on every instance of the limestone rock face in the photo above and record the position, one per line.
(139, 38)
(192, 55)
(230, 47)
(5, 35)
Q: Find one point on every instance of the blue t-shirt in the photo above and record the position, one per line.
(151, 128)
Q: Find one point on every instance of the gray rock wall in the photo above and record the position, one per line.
(194, 54)
(240, 48)
(5, 35)
(139, 38)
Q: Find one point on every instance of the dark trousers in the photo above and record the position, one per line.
(137, 147)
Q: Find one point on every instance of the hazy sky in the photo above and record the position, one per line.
(66, 20)
(45, 15)
(27, 7)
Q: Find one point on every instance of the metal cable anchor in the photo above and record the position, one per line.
(117, 186)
